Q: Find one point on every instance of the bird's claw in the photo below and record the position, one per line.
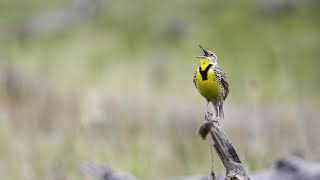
(208, 116)
(215, 120)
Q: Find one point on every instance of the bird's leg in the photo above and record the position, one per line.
(215, 119)
(206, 113)
(209, 113)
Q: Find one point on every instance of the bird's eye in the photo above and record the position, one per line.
(211, 54)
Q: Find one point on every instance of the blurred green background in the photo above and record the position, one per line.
(111, 81)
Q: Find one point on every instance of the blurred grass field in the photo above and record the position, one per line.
(118, 88)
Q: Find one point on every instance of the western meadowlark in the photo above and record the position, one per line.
(211, 82)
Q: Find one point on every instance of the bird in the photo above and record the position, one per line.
(211, 82)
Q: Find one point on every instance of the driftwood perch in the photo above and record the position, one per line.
(225, 150)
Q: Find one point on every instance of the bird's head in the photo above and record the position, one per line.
(207, 58)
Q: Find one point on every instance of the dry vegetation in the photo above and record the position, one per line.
(119, 89)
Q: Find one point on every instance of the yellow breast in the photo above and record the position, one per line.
(209, 88)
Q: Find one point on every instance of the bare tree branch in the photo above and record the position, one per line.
(225, 150)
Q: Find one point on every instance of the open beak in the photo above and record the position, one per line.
(205, 52)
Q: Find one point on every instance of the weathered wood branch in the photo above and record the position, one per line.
(222, 145)
(225, 150)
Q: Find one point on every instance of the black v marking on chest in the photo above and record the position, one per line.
(204, 73)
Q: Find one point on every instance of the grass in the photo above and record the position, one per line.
(119, 88)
